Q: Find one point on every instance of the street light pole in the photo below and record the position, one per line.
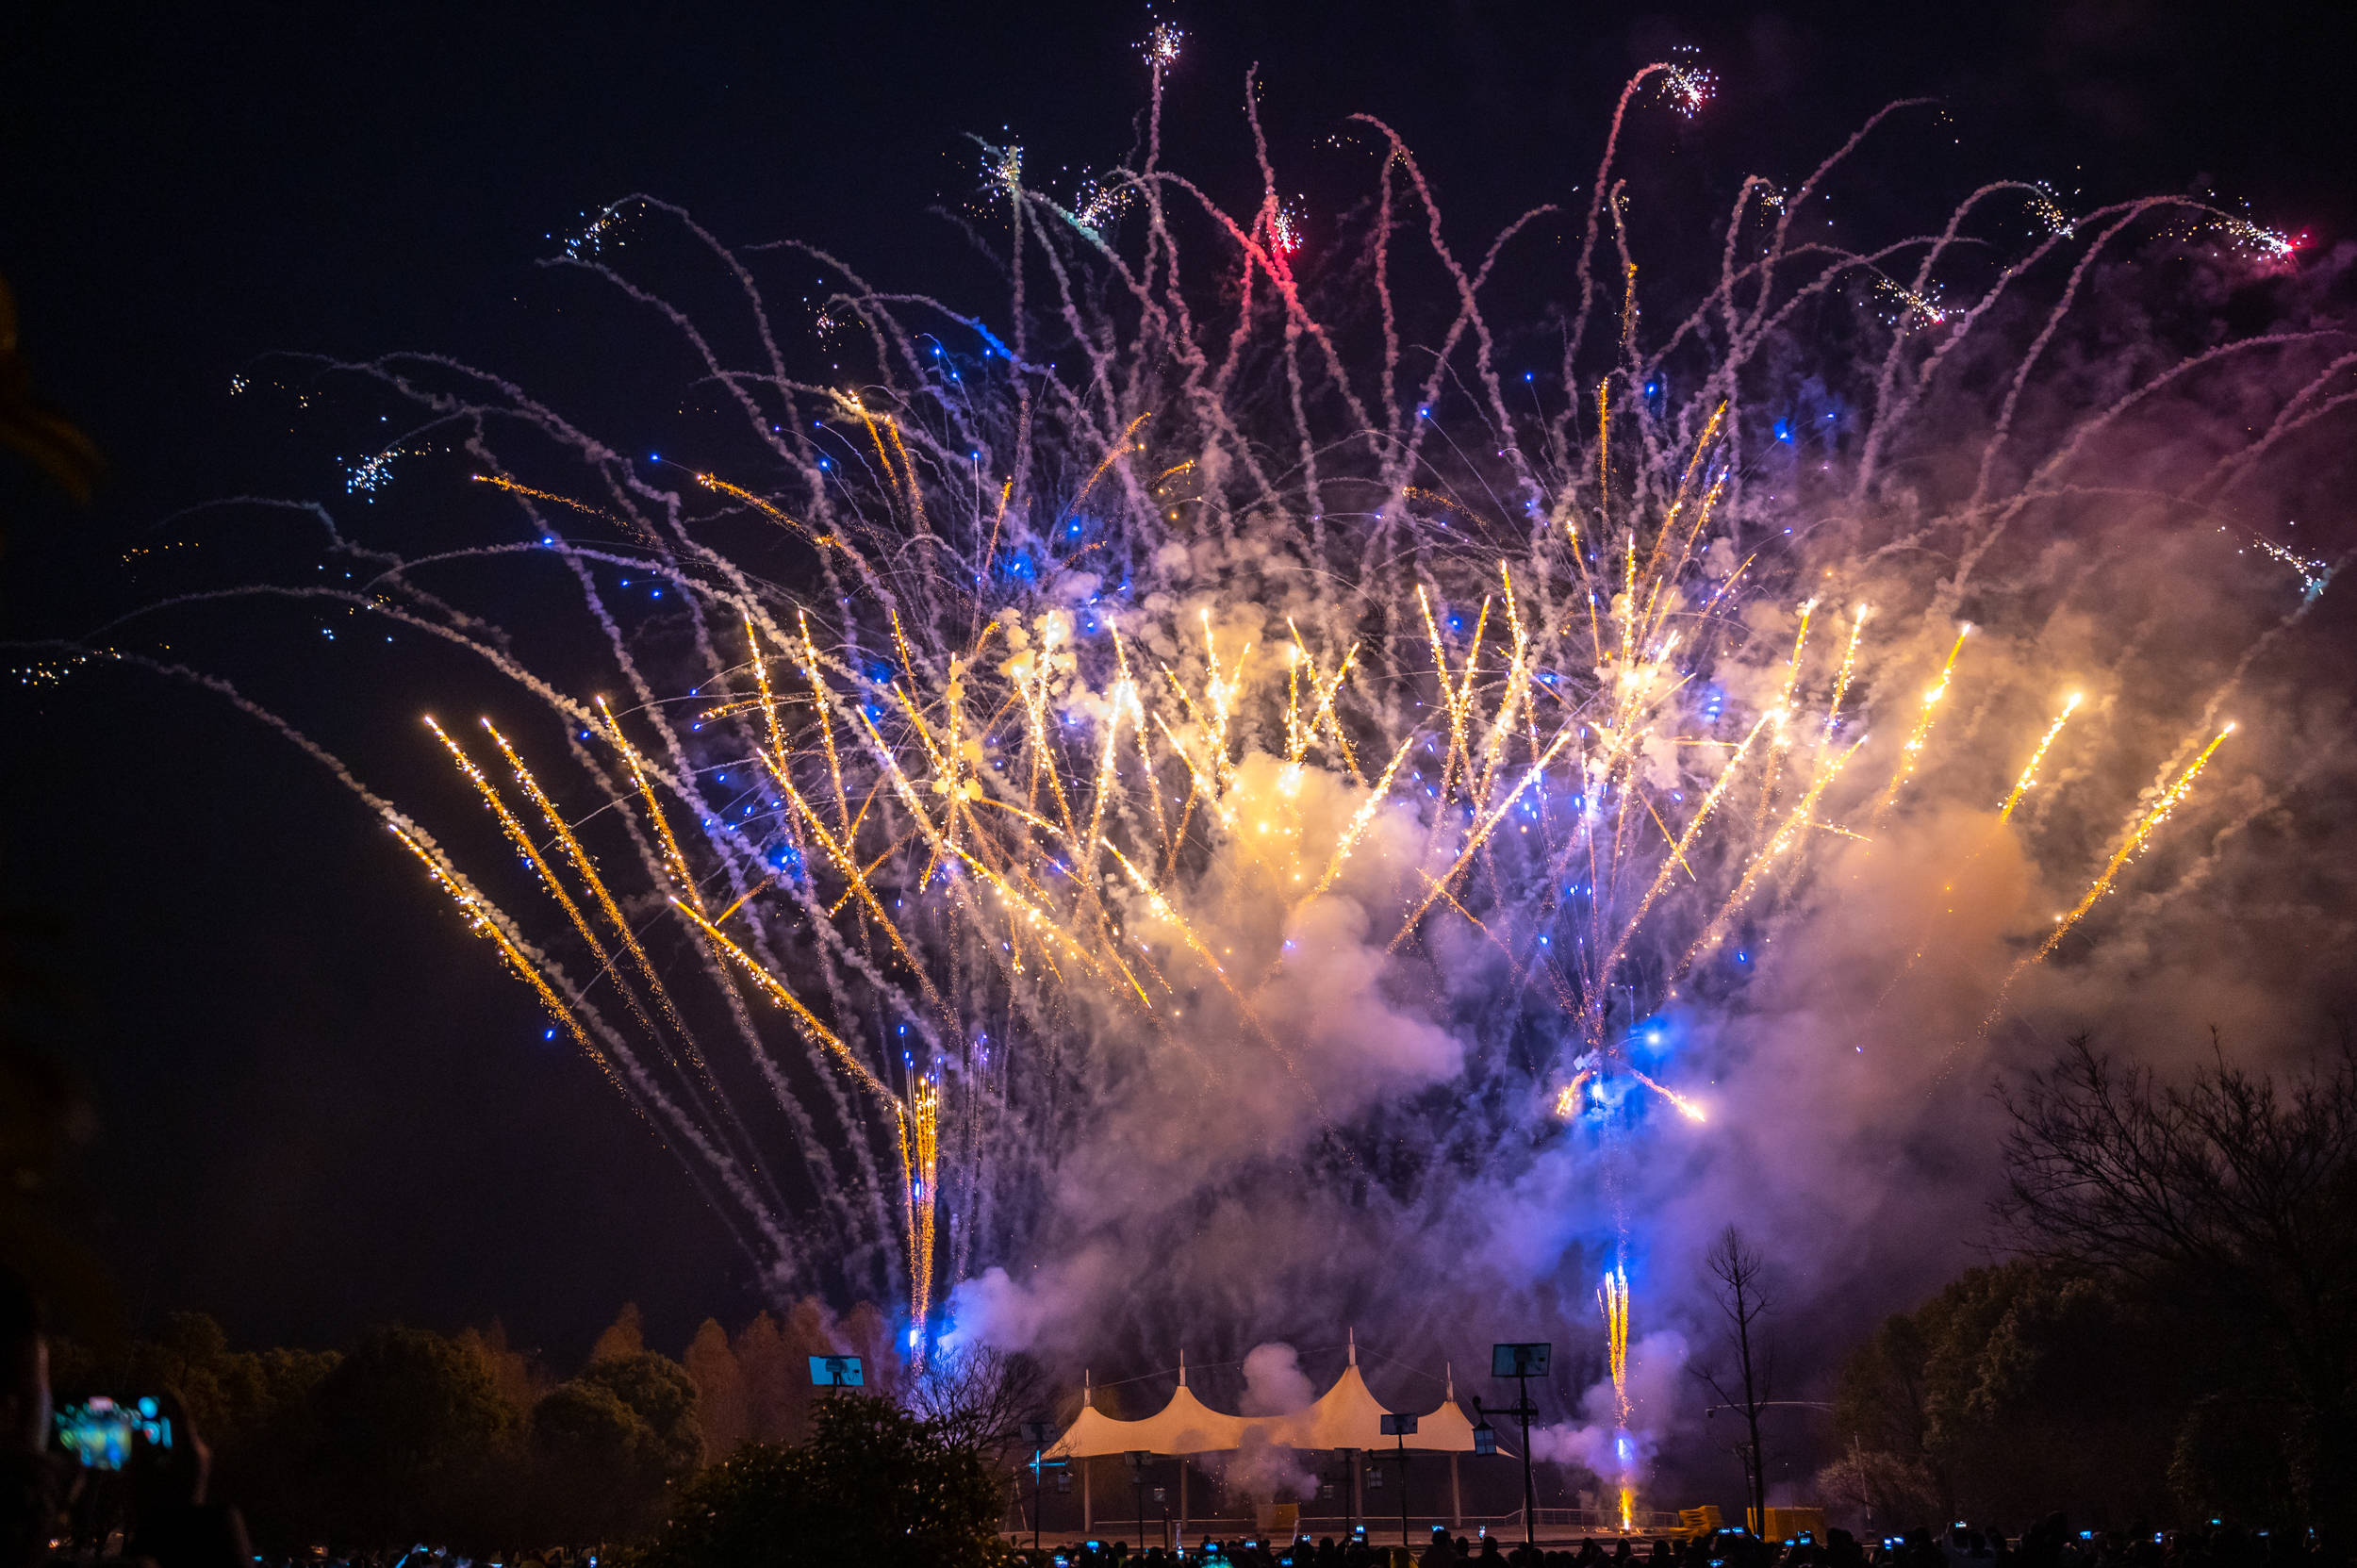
(1139, 1459)
(1035, 1433)
(1402, 1488)
(1399, 1426)
(1523, 1363)
(1530, 1491)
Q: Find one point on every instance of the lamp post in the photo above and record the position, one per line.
(1521, 1362)
(1401, 1427)
(1139, 1460)
(1485, 1444)
(1035, 1433)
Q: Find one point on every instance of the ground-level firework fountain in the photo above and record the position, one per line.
(1213, 785)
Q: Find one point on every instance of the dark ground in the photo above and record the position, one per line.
(320, 1105)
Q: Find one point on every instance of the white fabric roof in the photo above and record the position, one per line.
(1344, 1416)
(1347, 1416)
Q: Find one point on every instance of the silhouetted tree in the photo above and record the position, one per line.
(867, 1334)
(2013, 1391)
(774, 1359)
(770, 1380)
(979, 1398)
(625, 1336)
(407, 1421)
(874, 1486)
(519, 1381)
(721, 1404)
(2230, 1202)
(808, 1330)
(609, 1446)
(659, 1393)
(1739, 1273)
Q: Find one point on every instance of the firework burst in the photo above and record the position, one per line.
(1149, 707)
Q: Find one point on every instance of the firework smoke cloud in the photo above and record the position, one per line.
(1231, 792)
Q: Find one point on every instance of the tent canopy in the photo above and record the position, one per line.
(1347, 1416)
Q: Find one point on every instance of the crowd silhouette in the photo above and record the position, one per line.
(2048, 1543)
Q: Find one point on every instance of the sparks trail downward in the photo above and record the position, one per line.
(1197, 709)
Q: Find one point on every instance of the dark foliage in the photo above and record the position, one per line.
(468, 1442)
(407, 1422)
(2015, 1391)
(2229, 1205)
(2179, 1338)
(609, 1446)
(874, 1485)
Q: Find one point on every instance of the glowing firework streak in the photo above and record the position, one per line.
(2138, 836)
(994, 801)
(1614, 1298)
(1686, 1107)
(1911, 754)
(2314, 574)
(2028, 772)
(1849, 667)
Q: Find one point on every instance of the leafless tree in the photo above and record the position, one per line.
(1740, 1276)
(978, 1398)
(2231, 1199)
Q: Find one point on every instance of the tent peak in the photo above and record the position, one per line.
(1354, 1345)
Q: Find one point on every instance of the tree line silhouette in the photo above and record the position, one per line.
(410, 1435)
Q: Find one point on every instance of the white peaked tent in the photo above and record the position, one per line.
(1347, 1416)
(1344, 1416)
(1185, 1426)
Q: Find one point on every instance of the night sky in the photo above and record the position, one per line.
(320, 1104)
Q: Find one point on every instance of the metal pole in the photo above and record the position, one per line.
(1530, 1495)
(1183, 1499)
(1403, 1487)
(1141, 1486)
(1088, 1509)
(1456, 1496)
(1035, 1480)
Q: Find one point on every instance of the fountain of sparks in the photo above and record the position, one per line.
(1094, 651)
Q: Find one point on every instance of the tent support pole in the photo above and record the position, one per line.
(1455, 1498)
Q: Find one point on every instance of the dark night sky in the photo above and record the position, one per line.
(321, 1106)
